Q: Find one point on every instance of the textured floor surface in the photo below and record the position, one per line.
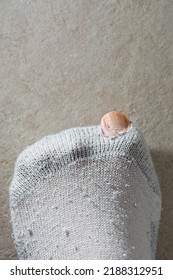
(66, 63)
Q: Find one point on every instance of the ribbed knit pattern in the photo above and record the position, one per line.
(80, 195)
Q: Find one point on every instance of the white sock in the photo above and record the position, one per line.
(80, 195)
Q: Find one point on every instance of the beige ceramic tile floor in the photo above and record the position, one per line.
(66, 63)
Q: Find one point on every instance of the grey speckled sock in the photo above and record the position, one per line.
(80, 195)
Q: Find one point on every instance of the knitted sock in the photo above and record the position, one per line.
(80, 195)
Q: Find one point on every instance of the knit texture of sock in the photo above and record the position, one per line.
(80, 195)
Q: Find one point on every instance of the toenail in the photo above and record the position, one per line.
(114, 123)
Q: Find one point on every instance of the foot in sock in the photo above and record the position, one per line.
(83, 194)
